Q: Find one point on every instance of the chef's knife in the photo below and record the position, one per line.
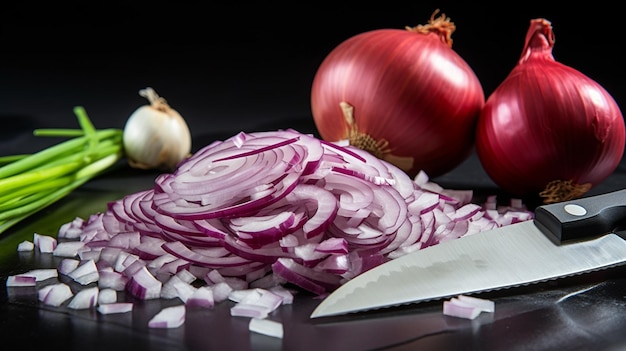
(563, 239)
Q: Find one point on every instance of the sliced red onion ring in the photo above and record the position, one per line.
(177, 249)
(175, 206)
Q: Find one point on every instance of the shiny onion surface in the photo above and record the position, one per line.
(548, 129)
(403, 95)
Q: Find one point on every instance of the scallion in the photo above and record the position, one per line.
(155, 136)
(31, 182)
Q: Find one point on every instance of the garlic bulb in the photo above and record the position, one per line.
(155, 135)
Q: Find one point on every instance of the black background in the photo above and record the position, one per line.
(238, 66)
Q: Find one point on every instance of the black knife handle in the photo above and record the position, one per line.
(582, 218)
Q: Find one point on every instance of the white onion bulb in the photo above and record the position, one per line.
(156, 136)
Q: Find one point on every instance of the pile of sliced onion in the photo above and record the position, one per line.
(255, 213)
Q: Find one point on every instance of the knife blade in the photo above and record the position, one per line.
(563, 239)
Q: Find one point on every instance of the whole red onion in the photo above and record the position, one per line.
(548, 129)
(403, 95)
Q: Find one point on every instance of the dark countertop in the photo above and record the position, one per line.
(255, 75)
(576, 313)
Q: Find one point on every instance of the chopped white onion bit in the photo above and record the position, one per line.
(85, 273)
(287, 295)
(25, 246)
(255, 303)
(42, 274)
(68, 248)
(107, 296)
(112, 280)
(67, 265)
(143, 285)
(202, 297)
(221, 291)
(21, 280)
(266, 327)
(84, 299)
(44, 243)
(168, 317)
(116, 307)
(249, 310)
(467, 307)
(55, 294)
(450, 308)
(31, 277)
(483, 304)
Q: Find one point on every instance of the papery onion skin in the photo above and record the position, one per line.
(548, 124)
(416, 98)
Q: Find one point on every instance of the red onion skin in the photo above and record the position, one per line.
(410, 89)
(547, 121)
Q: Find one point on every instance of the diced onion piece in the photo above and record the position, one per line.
(243, 294)
(286, 295)
(450, 308)
(67, 265)
(255, 303)
(484, 304)
(44, 243)
(168, 317)
(31, 277)
(107, 296)
(184, 290)
(25, 246)
(84, 299)
(249, 310)
(85, 273)
(179, 286)
(143, 285)
(266, 327)
(468, 307)
(116, 307)
(68, 248)
(21, 280)
(168, 290)
(55, 294)
(268, 299)
(221, 291)
(113, 280)
(42, 274)
(202, 297)
(186, 276)
(72, 230)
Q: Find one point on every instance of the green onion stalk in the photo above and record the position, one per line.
(32, 182)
